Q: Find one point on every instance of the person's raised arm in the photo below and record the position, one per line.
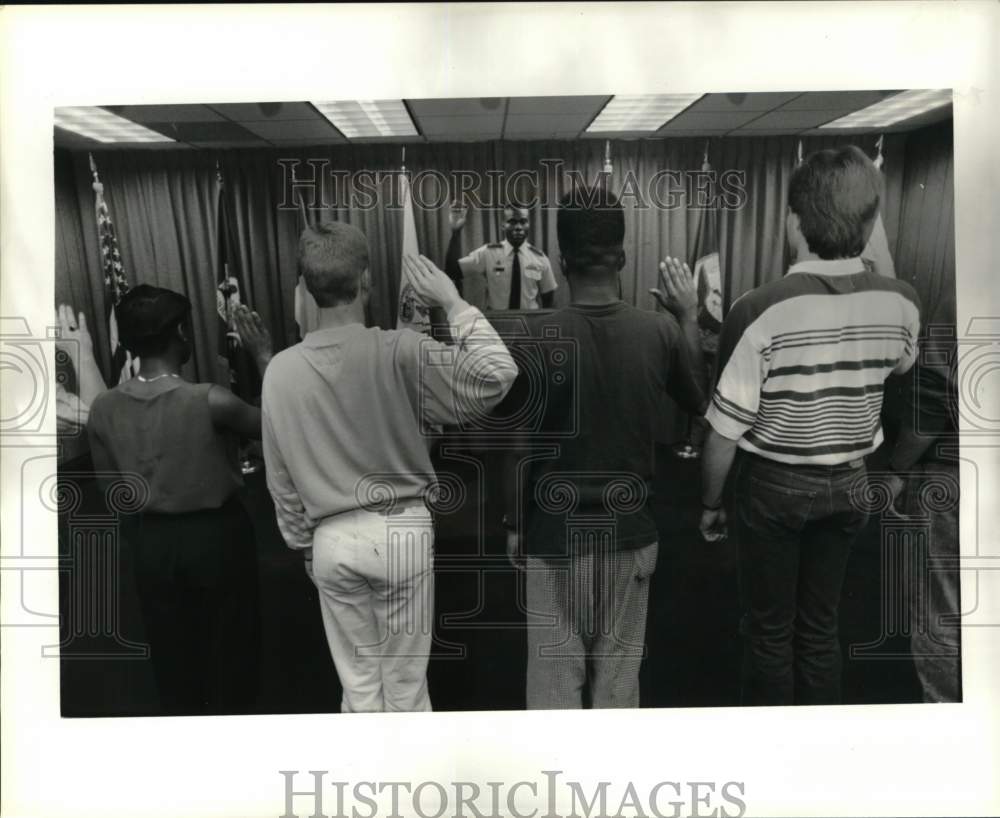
(233, 414)
(77, 344)
(470, 377)
(680, 297)
(456, 221)
(254, 336)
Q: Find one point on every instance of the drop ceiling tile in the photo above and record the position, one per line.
(914, 122)
(840, 131)
(464, 137)
(74, 141)
(764, 132)
(529, 135)
(835, 100)
(144, 114)
(790, 120)
(292, 129)
(472, 106)
(265, 111)
(63, 138)
(698, 132)
(314, 140)
(402, 139)
(742, 101)
(203, 131)
(711, 120)
(556, 105)
(437, 125)
(228, 144)
(546, 122)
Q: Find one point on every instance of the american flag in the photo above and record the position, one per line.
(229, 294)
(115, 282)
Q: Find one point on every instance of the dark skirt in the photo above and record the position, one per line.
(196, 576)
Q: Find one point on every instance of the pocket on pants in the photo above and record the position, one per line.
(767, 506)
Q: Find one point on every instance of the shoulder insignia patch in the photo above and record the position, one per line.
(536, 251)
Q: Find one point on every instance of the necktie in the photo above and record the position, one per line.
(515, 282)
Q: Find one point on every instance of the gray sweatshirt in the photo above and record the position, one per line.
(347, 413)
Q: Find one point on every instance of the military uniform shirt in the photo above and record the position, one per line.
(494, 263)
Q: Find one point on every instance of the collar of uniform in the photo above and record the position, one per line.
(508, 248)
(831, 267)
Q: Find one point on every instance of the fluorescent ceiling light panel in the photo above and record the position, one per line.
(640, 113)
(891, 110)
(104, 126)
(369, 117)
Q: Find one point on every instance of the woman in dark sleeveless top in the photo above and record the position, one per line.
(193, 541)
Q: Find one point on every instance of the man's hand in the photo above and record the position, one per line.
(681, 297)
(431, 283)
(253, 335)
(308, 563)
(713, 525)
(457, 216)
(74, 338)
(514, 550)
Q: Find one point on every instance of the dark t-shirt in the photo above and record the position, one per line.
(591, 394)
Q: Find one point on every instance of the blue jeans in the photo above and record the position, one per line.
(796, 525)
(934, 599)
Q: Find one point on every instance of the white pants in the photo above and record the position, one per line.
(374, 573)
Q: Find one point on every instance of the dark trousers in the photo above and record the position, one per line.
(796, 525)
(196, 576)
(935, 609)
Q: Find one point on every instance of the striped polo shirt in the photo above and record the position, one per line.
(803, 360)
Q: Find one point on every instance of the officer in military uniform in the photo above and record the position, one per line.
(515, 275)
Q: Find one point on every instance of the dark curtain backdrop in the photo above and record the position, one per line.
(163, 205)
(925, 251)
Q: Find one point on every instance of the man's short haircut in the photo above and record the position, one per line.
(835, 194)
(332, 257)
(590, 226)
(512, 208)
(148, 318)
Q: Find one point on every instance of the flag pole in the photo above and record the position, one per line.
(303, 212)
(97, 186)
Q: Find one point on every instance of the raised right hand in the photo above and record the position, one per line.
(74, 338)
(430, 282)
(681, 297)
(254, 335)
(457, 216)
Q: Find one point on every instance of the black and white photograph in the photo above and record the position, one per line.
(456, 404)
(406, 415)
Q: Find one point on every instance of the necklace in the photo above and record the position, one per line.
(157, 377)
